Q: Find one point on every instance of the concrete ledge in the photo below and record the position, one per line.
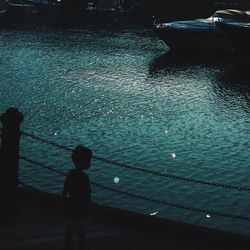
(144, 223)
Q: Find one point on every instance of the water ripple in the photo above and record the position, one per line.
(121, 94)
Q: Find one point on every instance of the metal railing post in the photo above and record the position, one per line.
(9, 159)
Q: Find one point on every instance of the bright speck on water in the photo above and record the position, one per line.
(116, 180)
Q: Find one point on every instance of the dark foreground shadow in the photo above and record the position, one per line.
(182, 59)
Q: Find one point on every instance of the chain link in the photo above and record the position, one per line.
(143, 170)
(24, 184)
(38, 138)
(171, 204)
(59, 172)
(157, 173)
(144, 198)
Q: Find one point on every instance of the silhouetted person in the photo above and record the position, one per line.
(77, 197)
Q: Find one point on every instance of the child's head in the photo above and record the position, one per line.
(81, 157)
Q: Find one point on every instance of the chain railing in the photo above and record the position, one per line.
(59, 172)
(140, 169)
(137, 196)
(130, 194)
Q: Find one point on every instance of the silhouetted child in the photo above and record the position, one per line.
(77, 197)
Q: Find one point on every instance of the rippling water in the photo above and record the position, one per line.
(122, 95)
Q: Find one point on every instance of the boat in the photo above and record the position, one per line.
(21, 7)
(238, 35)
(199, 34)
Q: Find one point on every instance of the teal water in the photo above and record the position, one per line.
(119, 93)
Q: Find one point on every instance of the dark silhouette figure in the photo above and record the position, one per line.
(9, 162)
(77, 197)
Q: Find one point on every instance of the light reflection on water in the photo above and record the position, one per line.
(121, 94)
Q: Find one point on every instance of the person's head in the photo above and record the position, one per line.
(81, 157)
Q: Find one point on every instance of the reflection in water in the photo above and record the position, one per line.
(233, 83)
(227, 85)
(229, 75)
(173, 59)
(236, 77)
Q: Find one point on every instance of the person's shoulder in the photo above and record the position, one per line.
(85, 175)
(71, 173)
(85, 178)
(74, 172)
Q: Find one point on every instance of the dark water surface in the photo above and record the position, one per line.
(122, 95)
